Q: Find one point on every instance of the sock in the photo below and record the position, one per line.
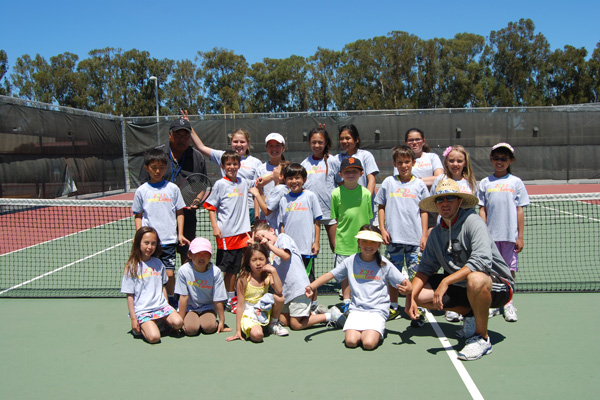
(327, 316)
(273, 321)
(315, 303)
(346, 301)
(394, 305)
(230, 295)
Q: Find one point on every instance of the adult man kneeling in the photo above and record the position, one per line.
(475, 276)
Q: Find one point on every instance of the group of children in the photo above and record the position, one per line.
(272, 265)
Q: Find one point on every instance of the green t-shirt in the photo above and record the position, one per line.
(352, 209)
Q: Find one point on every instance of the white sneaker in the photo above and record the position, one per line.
(493, 312)
(278, 329)
(510, 313)
(452, 316)
(468, 328)
(338, 319)
(475, 348)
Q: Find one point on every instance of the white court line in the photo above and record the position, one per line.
(569, 213)
(458, 365)
(64, 266)
(62, 237)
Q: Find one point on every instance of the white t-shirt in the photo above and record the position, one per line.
(248, 166)
(203, 288)
(292, 273)
(321, 177)
(369, 283)
(158, 204)
(147, 287)
(231, 201)
(501, 197)
(297, 213)
(402, 212)
(425, 165)
(368, 162)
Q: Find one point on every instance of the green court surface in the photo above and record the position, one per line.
(81, 348)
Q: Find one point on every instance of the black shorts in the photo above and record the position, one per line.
(230, 261)
(168, 256)
(456, 296)
(309, 264)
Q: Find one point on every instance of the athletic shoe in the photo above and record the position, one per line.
(475, 348)
(510, 313)
(277, 329)
(452, 316)
(493, 312)
(468, 328)
(394, 314)
(420, 321)
(319, 309)
(231, 305)
(344, 308)
(338, 319)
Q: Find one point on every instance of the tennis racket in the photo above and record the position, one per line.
(195, 190)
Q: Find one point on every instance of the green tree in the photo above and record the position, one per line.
(225, 75)
(358, 77)
(32, 78)
(594, 67)
(461, 71)
(518, 60)
(323, 79)
(99, 72)
(4, 83)
(569, 77)
(119, 83)
(184, 90)
(66, 87)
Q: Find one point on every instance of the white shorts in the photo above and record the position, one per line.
(364, 321)
(298, 307)
(328, 221)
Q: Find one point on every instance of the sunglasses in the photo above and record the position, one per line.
(449, 199)
(503, 159)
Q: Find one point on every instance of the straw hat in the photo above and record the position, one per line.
(448, 187)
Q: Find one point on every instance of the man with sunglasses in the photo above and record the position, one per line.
(475, 277)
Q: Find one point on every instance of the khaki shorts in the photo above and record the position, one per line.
(298, 307)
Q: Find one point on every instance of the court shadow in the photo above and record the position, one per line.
(495, 338)
(322, 330)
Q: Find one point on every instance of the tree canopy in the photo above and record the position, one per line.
(512, 67)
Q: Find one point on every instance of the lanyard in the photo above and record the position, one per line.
(178, 169)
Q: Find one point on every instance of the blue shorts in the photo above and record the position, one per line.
(404, 253)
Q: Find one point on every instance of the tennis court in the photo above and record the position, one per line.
(80, 347)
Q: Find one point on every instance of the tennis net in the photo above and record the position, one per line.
(78, 248)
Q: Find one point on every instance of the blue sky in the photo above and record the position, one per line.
(275, 29)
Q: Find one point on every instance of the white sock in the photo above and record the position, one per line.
(346, 301)
(327, 316)
(394, 305)
(230, 295)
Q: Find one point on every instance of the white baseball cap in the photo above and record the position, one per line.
(276, 137)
